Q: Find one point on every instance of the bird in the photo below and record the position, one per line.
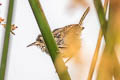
(67, 38)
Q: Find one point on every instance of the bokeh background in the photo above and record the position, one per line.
(32, 64)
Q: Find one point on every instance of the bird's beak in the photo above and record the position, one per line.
(34, 43)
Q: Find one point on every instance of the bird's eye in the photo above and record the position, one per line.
(41, 40)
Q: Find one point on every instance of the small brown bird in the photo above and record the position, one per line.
(67, 38)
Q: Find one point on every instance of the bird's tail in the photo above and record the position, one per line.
(84, 15)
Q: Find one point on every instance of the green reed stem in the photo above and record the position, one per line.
(6, 40)
(96, 52)
(49, 40)
(101, 16)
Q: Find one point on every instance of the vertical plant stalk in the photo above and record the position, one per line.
(95, 56)
(6, 40)
(109, 66)
(49, 40)
(114, 35)
(101, 16)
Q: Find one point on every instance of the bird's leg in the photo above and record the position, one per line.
(68, 59)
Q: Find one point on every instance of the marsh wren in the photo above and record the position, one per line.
(67, 38)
